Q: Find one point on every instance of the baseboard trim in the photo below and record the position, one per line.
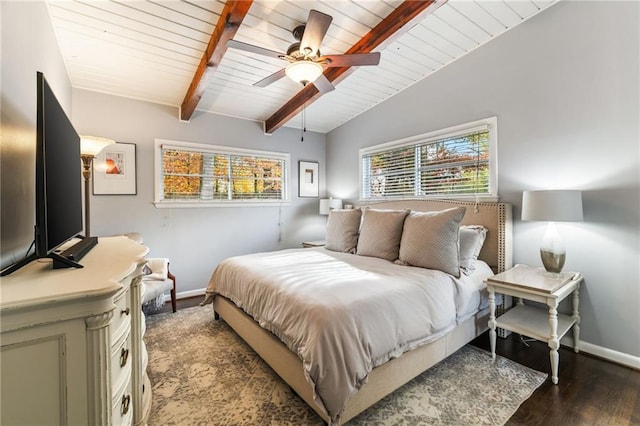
(611, 355)
(184, 295)
(190, 293)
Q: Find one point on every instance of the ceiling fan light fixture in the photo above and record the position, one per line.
(303, 72)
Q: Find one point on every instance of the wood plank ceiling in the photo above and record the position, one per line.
(150, 50)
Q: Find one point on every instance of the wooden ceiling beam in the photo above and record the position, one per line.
(395, 24)
(229, 21)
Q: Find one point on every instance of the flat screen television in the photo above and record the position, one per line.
(58, 185)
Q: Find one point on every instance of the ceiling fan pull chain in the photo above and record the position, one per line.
(304, 123)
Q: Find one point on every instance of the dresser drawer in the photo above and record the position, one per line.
(121, 361)
(120, 323)
(122, 408)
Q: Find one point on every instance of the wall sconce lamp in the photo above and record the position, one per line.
(90, 146)
(552, 206)
(329, 204)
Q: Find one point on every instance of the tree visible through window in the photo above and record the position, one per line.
(458, 165)
(207, 175)
(454, 163)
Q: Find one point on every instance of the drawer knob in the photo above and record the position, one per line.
(124, 356)
(125, 311)
(124, 406)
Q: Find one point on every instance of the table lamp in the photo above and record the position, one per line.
(329, 204)
(552, 206)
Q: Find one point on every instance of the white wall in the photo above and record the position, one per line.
(565, 88)
(196, 239)
(28, 45)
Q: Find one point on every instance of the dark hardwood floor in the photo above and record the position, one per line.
(590, 391)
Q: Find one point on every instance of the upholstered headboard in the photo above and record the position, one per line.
(496, 217)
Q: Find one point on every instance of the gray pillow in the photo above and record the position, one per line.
(342, 230)
(430, 240)
(381, 232)
(471, 240)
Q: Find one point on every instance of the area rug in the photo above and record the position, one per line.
(203, 374)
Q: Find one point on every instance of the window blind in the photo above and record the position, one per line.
(455, 163)
(192, 174)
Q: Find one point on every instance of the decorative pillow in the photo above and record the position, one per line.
(381, 232)
(342, 230)
(156, 269)
(430, 240)
(471, 240)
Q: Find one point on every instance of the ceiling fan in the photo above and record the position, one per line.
(306, 63)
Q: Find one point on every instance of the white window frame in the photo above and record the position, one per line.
(160, 202)
(490, 123)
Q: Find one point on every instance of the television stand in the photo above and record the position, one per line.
(70, 257)
(64, 335)
(67, 259)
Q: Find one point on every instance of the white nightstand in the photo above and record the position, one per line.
(537, 285)
(309, 244)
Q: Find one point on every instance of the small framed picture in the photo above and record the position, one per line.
(308, 179)
(114, 170)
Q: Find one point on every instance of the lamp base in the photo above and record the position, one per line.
(553, 262)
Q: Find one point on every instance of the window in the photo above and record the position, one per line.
(454, 163)
(189, 175)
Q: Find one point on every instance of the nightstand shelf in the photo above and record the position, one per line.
(533, 322)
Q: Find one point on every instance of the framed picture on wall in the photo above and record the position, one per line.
(308, 179)
(114, 170)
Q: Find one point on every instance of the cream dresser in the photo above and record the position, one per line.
(71, 341)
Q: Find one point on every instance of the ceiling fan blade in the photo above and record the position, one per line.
(353, 60)
(323, 85)
(270, 79)
(315, 30)
(254, 49)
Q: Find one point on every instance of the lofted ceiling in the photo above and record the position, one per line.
(150, 50)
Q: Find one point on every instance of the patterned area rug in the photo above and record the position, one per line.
(203, 374)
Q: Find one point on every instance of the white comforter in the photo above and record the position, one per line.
(343, 314)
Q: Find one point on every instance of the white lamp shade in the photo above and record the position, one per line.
(552, 205)
(303, 71)
(92, 145)
(329, 204)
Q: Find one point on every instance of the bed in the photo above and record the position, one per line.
(359, 326)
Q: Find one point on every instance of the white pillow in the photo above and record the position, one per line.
(471, 240)
(430, 240)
